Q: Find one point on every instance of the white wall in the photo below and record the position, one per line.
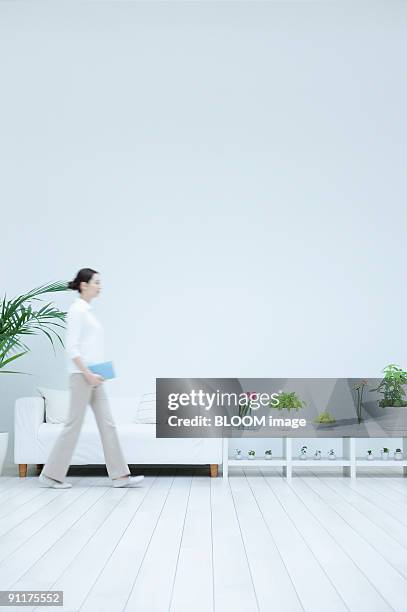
(235, 171)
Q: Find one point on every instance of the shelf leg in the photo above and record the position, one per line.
(225, 458)
(287, 455)
(349, 452)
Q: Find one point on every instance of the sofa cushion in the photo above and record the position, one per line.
(56, 404)
(124, 409)
(146, 409)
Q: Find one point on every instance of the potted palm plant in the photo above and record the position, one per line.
(21, 317)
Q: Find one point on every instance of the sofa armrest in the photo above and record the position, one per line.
(28, 416)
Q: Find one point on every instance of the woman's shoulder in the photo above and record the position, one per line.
(77, 305)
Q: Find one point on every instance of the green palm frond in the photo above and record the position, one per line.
(21, 317)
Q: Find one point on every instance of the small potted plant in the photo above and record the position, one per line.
(288, 401)
(268, 454)
(331, 454)
(398, 455)
(385, 453)
(317, 454)
(238, 453)
(303, 452)
(325, 419)
(251, 454)
(369, 455)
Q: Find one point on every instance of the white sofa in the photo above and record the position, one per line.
(34, 438)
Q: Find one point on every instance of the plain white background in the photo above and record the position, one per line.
(235, 171)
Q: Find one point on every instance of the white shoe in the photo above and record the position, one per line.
(127, 482)
(54, 484)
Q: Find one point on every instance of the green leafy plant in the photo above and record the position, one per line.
(359, 388)
(21, 317)
(325, 418)
(391, 386)
(288, 401)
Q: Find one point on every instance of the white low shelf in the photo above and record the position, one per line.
(275, 462)
(348, 461)
(321, 462)
(360, 462)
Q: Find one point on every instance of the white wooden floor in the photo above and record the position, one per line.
(184, 542)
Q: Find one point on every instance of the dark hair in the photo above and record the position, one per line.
(84, 275)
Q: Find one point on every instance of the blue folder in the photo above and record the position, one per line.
(105, 369)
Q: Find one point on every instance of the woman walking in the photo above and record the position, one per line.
(84, 346)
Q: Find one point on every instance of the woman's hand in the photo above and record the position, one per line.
(94, 379)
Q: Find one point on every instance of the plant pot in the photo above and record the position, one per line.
(325, 425)
(3, 448)
(251, 456)
(332, 457)
(238, 456)
(249, 427)
(385, 456)
(370, 457)
(398, 456)
(303, 457)
(267, 456)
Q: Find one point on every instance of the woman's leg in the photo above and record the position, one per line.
(60, 457)
(115, 461)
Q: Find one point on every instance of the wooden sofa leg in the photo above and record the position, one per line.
(214, 470)
(22, 470)
(39, 467)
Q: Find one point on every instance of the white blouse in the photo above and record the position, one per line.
(84, 335)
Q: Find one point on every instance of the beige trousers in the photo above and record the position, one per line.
(82, 394)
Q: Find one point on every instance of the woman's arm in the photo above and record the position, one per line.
(72, 345)
(91, 377)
